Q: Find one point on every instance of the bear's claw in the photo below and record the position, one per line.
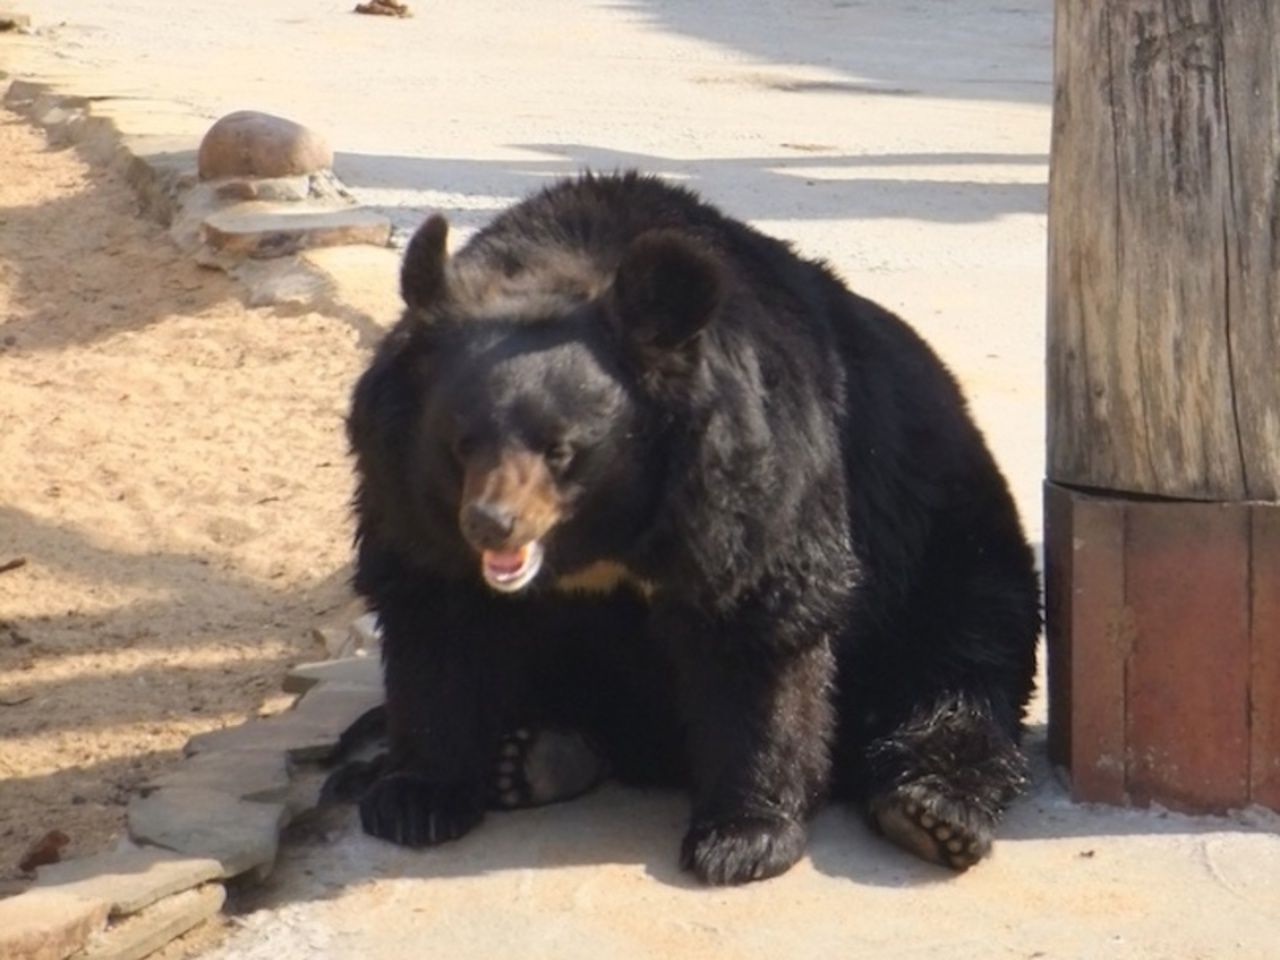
(933, 826)
(537, 767)
(413, 811)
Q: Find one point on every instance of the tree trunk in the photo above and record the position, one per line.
(1163, 615)
(1164, 248)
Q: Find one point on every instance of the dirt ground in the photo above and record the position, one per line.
(173, 497)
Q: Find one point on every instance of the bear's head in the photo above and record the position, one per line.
(545, 385)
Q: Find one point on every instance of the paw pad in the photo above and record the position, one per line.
(537, 767)
(934, 827)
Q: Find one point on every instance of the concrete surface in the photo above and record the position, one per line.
(597, 878)
(906, 143)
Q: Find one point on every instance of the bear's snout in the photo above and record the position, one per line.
(487, 525)
(508, 501)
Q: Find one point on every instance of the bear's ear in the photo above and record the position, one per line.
(422, 274)
(666, 290)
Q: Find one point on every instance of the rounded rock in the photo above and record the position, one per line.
(252, 144)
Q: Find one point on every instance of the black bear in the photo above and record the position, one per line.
(642, 491)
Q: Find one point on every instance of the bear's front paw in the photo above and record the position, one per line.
(934, 826)
(742, 848)
(411, 810)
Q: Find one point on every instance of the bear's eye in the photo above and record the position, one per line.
(559, 455)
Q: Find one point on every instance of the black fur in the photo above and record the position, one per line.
(826, 587)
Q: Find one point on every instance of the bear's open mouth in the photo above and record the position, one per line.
(512, 571)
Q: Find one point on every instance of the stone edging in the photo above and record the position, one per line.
(218, 815)
(253, 228)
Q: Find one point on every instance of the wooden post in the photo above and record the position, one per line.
(1163, 497)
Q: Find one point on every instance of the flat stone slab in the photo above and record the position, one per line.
(305, 790)
(250, 774)
(267, 189)
(337, 641)
(335, 706)
(140, 935)
(296, 736)
(356, 671)
(264, 230)
(48, 924)
(368, 631)
(128, 880)
(360, 636)
(239, 834)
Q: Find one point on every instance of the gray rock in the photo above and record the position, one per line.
(274, 190)
(353, 671)
(309, 731)
(127, 880)
(304, 792)
(368, 631)
(334, 706)
(250, 774)
(325, 185)
(48, 924)
(288, 733)
(265, 230)
(348, 631)
(144, 933)
(337, 642)
(252, 144)
(241, 835)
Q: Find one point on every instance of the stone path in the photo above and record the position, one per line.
(216, 817)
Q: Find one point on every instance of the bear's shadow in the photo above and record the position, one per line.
(619, 826)
(613, 826)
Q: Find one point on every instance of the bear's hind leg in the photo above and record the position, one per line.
(940, 781)
(538, 766)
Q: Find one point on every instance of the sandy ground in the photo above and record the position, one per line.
(905, 142)
(173, 472)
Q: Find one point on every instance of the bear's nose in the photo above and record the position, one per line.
(487, 525)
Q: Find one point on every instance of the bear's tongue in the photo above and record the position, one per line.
(510, 571)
